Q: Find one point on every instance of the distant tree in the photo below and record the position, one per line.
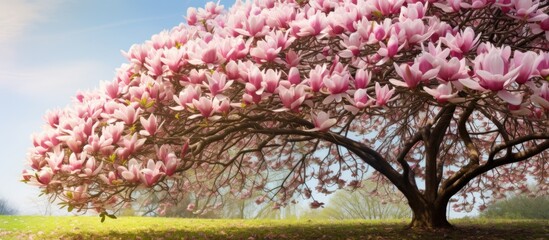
(368, 202)
(6, 209)
(249, 209)
(228, 207)
(520, 206)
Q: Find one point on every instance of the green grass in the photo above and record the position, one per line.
(35, 227)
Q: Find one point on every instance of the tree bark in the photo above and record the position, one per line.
(429, 215)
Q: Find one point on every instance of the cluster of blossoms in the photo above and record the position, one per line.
(320, 61)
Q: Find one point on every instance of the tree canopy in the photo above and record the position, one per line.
(519, 207)
(296, 98)
(370, 201)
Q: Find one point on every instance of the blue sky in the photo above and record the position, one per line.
(50, 49)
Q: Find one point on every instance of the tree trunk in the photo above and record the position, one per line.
(429, 215)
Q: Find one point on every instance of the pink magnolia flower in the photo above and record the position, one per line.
(52, 117)
(110, 179)
(450, 6)
(210, 11)
(387, 7)
(163, 151)
(462, 42)
(362, 99)
(452, 70)
(352, 44)
(186, 97)
(362, 78)
(541, 25)
(541, 96)
(341, 20)
(128, 114)
(128, 145)
(254, 26)
(231, 70)
(111, 89)
(413, 11)
(316, 78)
(266, 50)
(154, 63)
(45, 175)
(234, 48)
(45, 141)
(137, 54)
(322, 122)
(390, 50)
(337, 87)
(173, 59)
(194, 76)
(222, 106)
(383, 94)
(294, 77)
(217, 83)
(255, 81)
(151, 174)
(494, 69)
(542, 65)
(150, 125)
(311, 26)
(113, 132)
(91, 168)
(414, 31)
(283, 40)
(74, 139)
(161, 40)
(323, 5)
(271, 79)
(202, 53)
(208, 107)
(98, 144)
(55, 159)
(171, 162)
(524, 8)
(526, 63)
(292, 59)
(78, 194)
(27, 175)
(132, 174)
(443, 93)
(412, 75)
(292, 97)
(476, 4)
(376, 33)
(494, 73)
(75, 163)
(364, 27)
(281, 15)
(204, 106)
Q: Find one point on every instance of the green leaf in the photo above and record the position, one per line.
(71, 207)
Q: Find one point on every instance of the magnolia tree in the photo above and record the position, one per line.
(290, 99)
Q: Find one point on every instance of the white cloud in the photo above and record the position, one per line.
(55, 81)
(16, 16)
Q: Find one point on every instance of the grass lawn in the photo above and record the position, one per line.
(34, 227)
